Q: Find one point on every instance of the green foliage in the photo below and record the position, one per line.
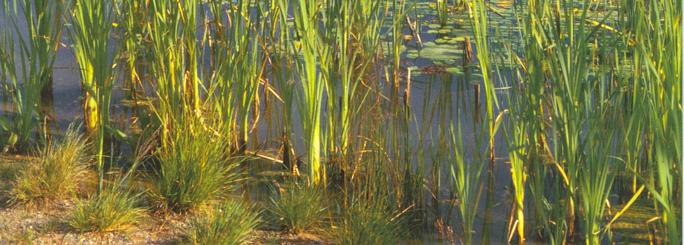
(467, 183)
(369, 223)
(90, 33)
(194, 168)
(113, 209)
(656, 29)
(174, 63)
(595, 182)
(29, 41)
(229, 223)
(313, 84)
(297, 208)
(238, 61)
(57, 171)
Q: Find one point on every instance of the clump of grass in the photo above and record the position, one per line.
(297, 209)
(194, 169)
(110, 210)
(59, 168)
(369, 223)
(229, 223)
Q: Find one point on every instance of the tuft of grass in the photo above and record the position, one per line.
(25, 237)
(369, 223)
(59, 168)
(297, 209)
(194, 169)
(110, 210)
(229, 223)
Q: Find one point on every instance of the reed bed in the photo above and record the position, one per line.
(580, 108)
(29, 46)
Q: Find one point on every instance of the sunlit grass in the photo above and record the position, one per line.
(228, 223)
(194, 169)
(112, 209)
(58, 170)
(297, 208)
(369, 223)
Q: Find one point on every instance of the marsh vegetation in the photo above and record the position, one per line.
(345, 121)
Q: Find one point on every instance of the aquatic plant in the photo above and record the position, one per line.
(283, 76)
(656, 28)
(398, 11)
(467, 183)
(310, 99)
(173, 67)
(518, 157)
(239, 66)
(478, 18)
(442, 7)
(133, 17)
(26, 64)
(590, 97)
(90, 30)
(595, 182)
(351, 38)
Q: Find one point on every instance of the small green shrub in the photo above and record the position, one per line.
(111, 210)
(297, 208)
(57, 171)
(229, 223)
(368, 223)
(194, 169)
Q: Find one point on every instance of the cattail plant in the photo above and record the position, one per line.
(26, 62)
(239, 65)
(173, 63)
(90, 33)
(311, 96)
(467, 182)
